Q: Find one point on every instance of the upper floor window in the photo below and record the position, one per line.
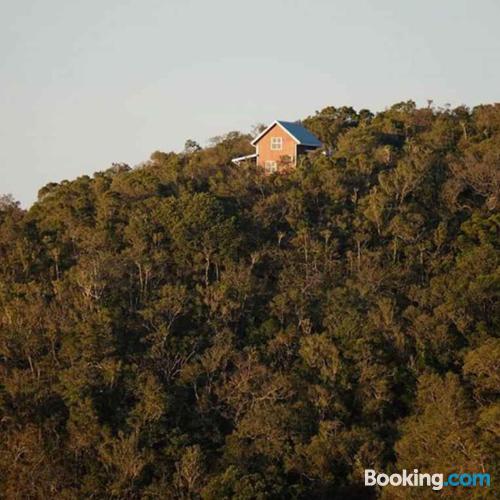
(276, 143)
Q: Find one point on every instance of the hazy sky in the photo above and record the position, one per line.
(84, 83)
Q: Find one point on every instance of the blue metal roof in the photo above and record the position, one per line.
(300, 133)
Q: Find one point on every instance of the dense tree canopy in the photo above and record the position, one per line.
(192, 329)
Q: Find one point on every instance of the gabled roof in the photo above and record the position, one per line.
(296, 130)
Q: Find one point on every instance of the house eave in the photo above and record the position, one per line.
(239, 159)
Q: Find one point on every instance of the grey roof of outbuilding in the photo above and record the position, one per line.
(300, 133)
(296, 130)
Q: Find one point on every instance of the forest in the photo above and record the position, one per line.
(192, 329)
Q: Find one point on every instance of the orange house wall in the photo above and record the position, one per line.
(264, 147)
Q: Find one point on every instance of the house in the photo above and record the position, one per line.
(279, 145)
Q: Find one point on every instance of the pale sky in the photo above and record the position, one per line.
(84, 83)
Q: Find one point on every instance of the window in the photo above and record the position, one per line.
(276, 143)
(270, 166)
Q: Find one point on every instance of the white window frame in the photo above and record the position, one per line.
(276, 143)
(271, 166)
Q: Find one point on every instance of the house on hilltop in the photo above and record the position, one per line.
(279, 145)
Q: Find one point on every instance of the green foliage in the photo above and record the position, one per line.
(192, 329)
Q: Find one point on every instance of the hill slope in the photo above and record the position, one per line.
(189, 328)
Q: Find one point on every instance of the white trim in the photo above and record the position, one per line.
(236, 161)
(265, 131)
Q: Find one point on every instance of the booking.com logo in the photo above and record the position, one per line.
(435, 481)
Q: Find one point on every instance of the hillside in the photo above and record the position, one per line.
(192, 329)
